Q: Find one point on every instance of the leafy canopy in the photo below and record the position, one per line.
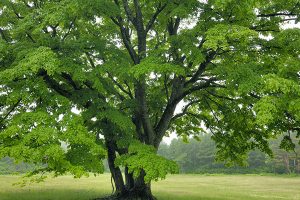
(127, 65)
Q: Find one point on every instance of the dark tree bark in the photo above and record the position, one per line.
(129, 180)
(131, 188)
(142, 190)
(115, 171)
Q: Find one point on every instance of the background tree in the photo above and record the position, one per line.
(126, 65)
(199, 157)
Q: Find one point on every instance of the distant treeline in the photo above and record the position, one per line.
(199, 157)
(8, 166)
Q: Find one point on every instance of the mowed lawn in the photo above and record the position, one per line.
(183, 187)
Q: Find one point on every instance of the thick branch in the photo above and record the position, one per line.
(70, 81)
(166, 87)
(201, 68)
(140, 29)
(168, 113)
(173, 27)
(129, 46)
(142, 111)
(129, 12)
(55, 86)
(126, 39)
(200, 86)
(139, 15)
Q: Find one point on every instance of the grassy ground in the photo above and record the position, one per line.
(176, 187)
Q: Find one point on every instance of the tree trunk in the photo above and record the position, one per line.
(139, 191)
(115, 171)
(132, 189)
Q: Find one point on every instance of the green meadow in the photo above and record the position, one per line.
(183, 187)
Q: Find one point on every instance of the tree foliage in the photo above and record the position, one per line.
(126, 66)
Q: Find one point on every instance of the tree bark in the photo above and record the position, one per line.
(115, 171)
(139, 191)
(142, 190)
(129, 180)
(132, 189)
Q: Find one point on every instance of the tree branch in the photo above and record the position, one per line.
(115, 21)
(203, 85)
(128, 45)
(70, 28)
(142, 111)
(175, 98)
(13, 107)
(201, 69)
(54, 85)
(90, 60)
(70, 81)
(3, 35)
(212, 111)
(129, 90)
(119, 86)
(154, 17)
(218, 96)
(166, 87)
(139, 15)
(30, 37)
(126, 39)
(129, 13)
(16, 13)
(173, 27)
(276, 14)
(185, 109)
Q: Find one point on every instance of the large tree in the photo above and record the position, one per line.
(125, 65)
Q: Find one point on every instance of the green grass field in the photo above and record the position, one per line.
(175, 187)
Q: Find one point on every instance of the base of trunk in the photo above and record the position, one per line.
(129, 195)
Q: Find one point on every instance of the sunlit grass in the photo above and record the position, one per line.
(185, 187)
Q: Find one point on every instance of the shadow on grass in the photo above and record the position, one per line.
(52, 194)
